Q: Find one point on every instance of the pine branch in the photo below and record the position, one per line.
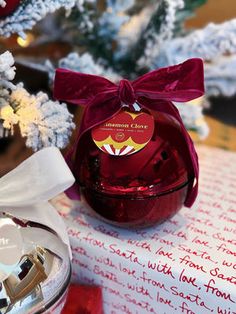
(186, 12)
(216, 45)
(159, 29)
(32, 11)
(192, 115)
(220, 77)
(42, 121)
(84, 63)
(208, 43)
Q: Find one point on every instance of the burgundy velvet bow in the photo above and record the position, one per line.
(155, 90)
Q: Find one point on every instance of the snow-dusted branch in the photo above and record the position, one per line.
(156, 40)
(27, 15)
(113, 18)
(193, 117)
(220, 76)
(82, 63)
(42, 121)
(216, 45)
(7, 69)
(7, 72)
(208, 43)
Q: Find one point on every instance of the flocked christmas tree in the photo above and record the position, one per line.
(113, 38)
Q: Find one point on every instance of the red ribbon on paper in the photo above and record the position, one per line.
(155, 90)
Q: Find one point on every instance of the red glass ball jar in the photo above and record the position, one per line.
(143, 188)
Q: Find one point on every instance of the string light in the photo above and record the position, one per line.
(25, 42)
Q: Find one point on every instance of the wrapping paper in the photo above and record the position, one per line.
(185, 265)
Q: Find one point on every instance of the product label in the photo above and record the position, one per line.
(124, 134)
(11, 246)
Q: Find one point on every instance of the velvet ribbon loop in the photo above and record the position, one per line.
(155, 90)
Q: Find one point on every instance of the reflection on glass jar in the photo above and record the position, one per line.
(38, 282)
(141, 189)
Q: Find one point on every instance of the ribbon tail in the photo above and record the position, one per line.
(39, 178)
(25, 191)
(193, 189)
(170, 109)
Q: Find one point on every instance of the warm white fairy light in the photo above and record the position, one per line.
(25, 42)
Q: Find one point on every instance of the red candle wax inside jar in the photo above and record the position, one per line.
(143, 188)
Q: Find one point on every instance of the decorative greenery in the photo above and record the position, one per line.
(43, 122)
(125, 38)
